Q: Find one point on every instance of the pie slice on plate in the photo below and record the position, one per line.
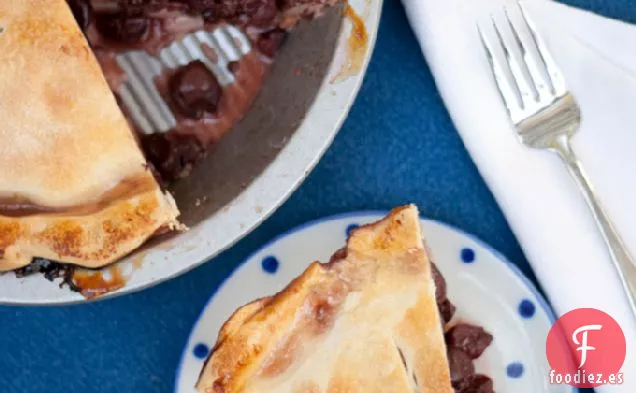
(74, 185)
(367, 321)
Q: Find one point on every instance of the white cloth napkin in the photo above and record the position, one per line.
(541, 202)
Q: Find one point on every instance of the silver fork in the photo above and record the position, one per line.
(546, 116)
(139, 93)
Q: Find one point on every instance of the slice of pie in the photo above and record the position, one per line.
(74, 184)
(367, 321)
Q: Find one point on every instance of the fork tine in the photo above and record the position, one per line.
(508, 91)
(552, 70)
(518, 69)
(542, 87)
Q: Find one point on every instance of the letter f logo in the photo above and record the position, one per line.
(583, 343)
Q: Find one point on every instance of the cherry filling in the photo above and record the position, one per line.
(195, 91)
(474, 383)
(51, 271)
(260, 12)
(470, 339)
(464, 342)
(123, 28)
(172, 156)
(269, 42)
(82, 11)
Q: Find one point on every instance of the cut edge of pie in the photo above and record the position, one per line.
(367, 321)
(75, 186)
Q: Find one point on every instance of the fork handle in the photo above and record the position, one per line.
(623, 261)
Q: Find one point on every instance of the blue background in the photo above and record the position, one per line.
(397, 146)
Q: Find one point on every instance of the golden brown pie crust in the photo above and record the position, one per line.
(365, 323)
(65, 146)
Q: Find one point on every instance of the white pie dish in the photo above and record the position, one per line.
(263, 167)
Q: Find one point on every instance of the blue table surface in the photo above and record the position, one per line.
(397, 146)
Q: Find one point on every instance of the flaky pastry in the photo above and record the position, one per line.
(365, 322)
(74, 185)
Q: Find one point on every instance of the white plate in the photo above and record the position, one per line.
(256, 202)
(486, 289)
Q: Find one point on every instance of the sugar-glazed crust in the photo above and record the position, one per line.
(365, 322)
(74, 185)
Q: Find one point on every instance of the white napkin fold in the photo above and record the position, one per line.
(540, 200)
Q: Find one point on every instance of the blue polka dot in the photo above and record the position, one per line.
(350, 228)
(200, 351)
(514, 370)
(270, 264)
(527, 308)
(468, 255)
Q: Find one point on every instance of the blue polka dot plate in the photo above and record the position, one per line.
(485, 288)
